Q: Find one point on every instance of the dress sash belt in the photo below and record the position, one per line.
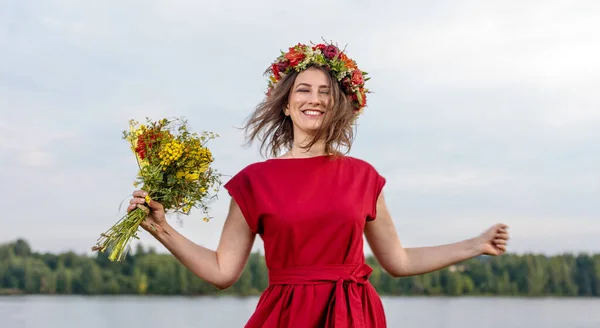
(344, 299)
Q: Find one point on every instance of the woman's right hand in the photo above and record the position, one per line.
(155, 220)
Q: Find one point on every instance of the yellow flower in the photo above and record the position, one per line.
(171, 152)
(203, 168)
(192, 176)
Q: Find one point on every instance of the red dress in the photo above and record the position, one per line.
(311, 214)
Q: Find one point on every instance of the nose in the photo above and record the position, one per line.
(316, 98)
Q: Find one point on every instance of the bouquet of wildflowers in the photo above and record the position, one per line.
(174, 169)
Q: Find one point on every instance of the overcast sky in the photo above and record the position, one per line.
(482, 111)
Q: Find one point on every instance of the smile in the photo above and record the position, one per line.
(312, 112)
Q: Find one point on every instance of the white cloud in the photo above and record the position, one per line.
(37, 158)
(508, 42)
(494, 64)
(32, 143)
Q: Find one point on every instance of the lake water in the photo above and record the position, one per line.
(183, 312)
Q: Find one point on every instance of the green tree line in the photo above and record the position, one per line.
(23, 271)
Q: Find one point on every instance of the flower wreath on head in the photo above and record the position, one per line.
(343, 69)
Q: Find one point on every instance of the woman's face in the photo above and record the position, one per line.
(309, 101)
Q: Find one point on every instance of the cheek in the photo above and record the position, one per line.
(325, 98)
(296, 102)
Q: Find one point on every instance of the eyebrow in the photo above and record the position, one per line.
(308, 85)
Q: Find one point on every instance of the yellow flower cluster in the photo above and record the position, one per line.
(187, 175)
(201, 157)
(171, 152)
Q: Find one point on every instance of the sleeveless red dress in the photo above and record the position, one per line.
(311, 214)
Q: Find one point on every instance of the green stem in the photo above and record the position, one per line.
(118, 237)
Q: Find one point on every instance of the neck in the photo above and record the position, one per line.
(299, 149)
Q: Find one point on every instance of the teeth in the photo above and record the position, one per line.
(312, 112)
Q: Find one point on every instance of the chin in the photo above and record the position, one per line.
(309, 124)
(311, 127)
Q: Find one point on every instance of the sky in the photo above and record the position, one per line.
(481, 112)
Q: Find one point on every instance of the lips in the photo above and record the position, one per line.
(313, 112)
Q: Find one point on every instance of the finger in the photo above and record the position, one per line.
(143, 208)
(501, 236)
(135, 201)
(500, 242)
(500, 246)
(501, 227)
(140, 193)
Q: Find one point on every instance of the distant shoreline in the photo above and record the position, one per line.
(20, 294)
(147, 273)
(11, 292)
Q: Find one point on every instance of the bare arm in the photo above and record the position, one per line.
(222, 267)
(399, 261)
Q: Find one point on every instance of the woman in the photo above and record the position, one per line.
(312, 205)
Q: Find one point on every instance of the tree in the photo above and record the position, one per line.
(153, 273)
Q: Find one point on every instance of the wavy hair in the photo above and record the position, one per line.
(275, 131)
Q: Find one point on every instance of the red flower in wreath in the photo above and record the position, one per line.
(294, 56)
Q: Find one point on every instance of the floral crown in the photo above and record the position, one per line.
(343, 69)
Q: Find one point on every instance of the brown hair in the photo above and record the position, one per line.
(275, 130)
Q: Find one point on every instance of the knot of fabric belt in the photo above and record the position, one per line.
(350, 274)
(351, 278)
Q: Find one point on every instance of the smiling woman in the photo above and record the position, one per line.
(312, 205)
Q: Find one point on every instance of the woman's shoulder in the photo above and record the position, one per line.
(260, 168)
(250, 169)
(360, 163)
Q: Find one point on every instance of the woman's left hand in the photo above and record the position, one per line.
(494, 240)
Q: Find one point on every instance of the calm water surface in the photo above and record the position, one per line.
(183, 312)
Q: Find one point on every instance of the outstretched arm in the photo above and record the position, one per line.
(399, 261)
(222, 267)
